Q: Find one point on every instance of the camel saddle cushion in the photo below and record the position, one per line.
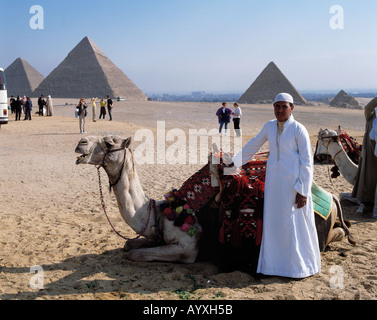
(322, 201)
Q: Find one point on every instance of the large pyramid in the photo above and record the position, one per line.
(270, 83)
(87, 72)
(22, 78)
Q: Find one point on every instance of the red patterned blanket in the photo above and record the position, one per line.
(350, 146)
(241, 210)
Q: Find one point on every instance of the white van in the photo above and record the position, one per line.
(3, 99)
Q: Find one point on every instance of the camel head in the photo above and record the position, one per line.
(326, 136)
(323, 134)
(100, 151)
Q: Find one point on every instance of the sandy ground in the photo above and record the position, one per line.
(51, 216)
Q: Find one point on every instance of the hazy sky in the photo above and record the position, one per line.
(210, 45)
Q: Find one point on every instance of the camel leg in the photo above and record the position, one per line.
(168, 253)
(138, 243)
(336, 234)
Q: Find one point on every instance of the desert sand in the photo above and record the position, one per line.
(51, 214)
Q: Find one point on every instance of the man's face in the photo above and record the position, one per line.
(282, 110)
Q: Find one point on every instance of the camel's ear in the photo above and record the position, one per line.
(127, 142)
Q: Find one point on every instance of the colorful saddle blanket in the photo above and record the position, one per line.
(350, 146)
(242, 199)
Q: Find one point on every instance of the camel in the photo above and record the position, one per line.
(330, 140)
(162, 241)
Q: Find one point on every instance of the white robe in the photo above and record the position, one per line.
(289, 244)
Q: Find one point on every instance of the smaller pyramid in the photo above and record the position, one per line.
(268, 85)
(344, 100)
(88, 72)
(22, 78)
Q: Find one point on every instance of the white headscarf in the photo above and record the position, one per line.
(285, 97)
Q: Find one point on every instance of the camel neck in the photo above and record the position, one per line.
(132, 201)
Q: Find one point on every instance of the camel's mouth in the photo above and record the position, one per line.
(81, 159)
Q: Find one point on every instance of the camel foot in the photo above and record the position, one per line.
(168, 253)
(137, 244)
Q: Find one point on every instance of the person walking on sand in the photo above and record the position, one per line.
(224, 115)
(81, 108)
(28, 108)
(237, 114)
(110, 107)
(289, 243)
(103, 109)
(94, 107)
(49, 107)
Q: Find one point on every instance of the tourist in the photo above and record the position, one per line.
(23, 103)
(28, 108)
(224, 115)
(364, 189)
(94, 108)
(41, 104)
(103, 109)
(110, 107)
(81, 109)
(18, 108)
(12, 104)
(290, 245)
(237, 114)
(49, 107)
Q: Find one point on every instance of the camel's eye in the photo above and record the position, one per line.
(84, 141)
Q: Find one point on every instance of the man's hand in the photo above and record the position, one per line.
(301, 201)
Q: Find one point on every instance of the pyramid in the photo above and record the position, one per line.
(270, 83)
(343, 100)
(87, 72)
(22, 78)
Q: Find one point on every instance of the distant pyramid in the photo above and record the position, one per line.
(270, 83)
(22, 78)
(87, 72)
(343, 100)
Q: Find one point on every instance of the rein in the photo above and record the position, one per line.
(152, 205)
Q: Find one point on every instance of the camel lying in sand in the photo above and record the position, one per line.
(162, 241)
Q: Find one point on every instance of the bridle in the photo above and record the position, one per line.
(106, 153)
(332, 139)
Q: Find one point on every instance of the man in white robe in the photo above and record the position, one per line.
(289, 244)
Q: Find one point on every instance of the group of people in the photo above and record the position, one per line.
(25, 105)
(81, 110)
(224, 115)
